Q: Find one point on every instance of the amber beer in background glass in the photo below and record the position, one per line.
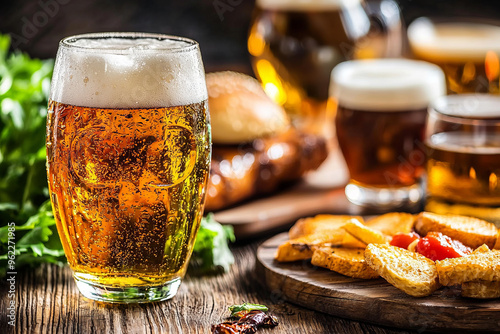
(295, 44)
(382, 106)
(463, 148)
(468, 52)
(128, 153)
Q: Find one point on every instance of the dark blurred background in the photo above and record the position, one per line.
(220, 26)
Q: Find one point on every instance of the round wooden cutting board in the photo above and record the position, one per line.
(374, 301)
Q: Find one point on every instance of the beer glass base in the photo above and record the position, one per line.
(129, 294)
(489, 213)
(384, 198)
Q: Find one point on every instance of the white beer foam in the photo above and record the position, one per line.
(128, 73)
(306, 5)
(458, 41)
(471, 106)
(386, 84)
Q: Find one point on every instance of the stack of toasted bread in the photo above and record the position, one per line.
(360, 249)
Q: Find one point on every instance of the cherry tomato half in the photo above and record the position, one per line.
(403, 240)
(437, 246)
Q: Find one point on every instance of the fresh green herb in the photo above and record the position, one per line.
(211, 252)
(24, 87)
(37, 242)
(247, 307)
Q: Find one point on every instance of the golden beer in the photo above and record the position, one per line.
(128, 155)
(129, 186)
(463, 160)
(295, 45)
(467, 52)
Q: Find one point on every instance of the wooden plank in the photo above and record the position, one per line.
(374, 301)
(48, 302)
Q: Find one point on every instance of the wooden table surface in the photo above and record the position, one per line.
(47, 301)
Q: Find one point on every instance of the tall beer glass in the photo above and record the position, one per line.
(295, 45)
(128, 153)
(463, 156)
(468, 52)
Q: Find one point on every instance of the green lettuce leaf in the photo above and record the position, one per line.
(211, 253)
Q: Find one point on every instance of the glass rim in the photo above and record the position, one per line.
(463, 116)
(67, 42)
(441, 19)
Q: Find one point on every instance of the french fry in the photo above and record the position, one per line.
(363, 233)
(319, 223)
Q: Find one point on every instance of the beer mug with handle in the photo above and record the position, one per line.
(294, 46)
(467, 50)
(128, 154)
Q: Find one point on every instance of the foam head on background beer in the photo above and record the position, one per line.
(469, 106)
(386, 84)
(122, 72)
(453, 41)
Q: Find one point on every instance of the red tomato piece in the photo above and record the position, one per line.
(437, 246)
(403, 240)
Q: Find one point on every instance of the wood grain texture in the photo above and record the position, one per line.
(48, 302)
(320, 192)
(374, 301)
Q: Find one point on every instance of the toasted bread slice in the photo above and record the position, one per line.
(481, 249)
(392, 223)
(363, 233)
(477, 266)
(346, 261)
(472, 232)
(481, 289)
(319, 223)
(351, 242)
(411, 272)
(497, 243)
(302, 248)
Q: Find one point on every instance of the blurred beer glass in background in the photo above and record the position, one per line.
(467, 52)
(463, 149)
(294, 45)
(382, 107)
(128, 154)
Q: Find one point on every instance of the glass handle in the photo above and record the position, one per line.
(385, 22)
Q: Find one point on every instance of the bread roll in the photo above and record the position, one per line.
(240, 110)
